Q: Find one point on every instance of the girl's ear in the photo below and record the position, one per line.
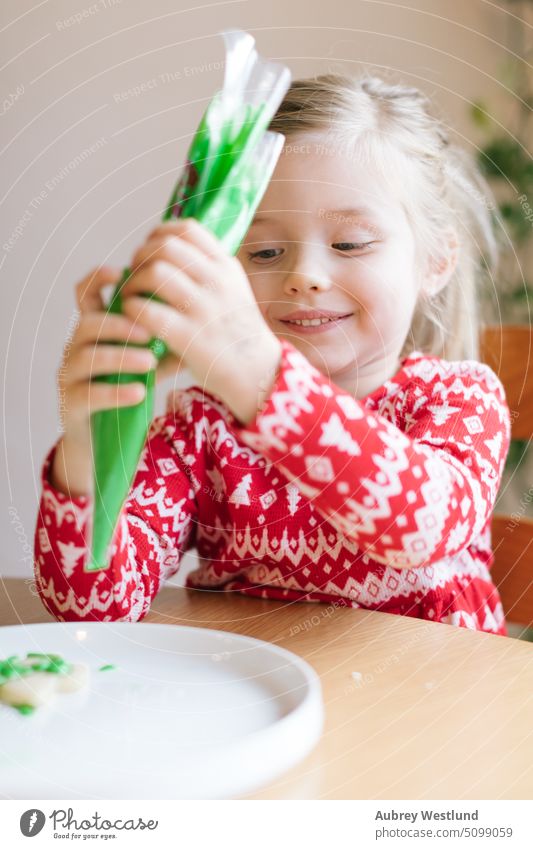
(441, 268)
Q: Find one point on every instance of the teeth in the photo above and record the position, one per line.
(311, 322)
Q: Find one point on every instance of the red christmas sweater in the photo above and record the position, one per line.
(383, 503)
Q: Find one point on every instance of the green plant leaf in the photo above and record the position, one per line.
(522, 293)
(479, 114)
(515, 217)
(517, 452)
(504, 158)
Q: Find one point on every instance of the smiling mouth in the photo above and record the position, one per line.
(314, 322)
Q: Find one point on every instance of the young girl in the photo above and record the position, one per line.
(342, 442)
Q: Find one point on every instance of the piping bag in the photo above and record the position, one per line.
(228, 166)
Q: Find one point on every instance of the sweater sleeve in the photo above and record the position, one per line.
(407, 495)
(155, 528)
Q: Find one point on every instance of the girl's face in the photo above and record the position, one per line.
(330, 235)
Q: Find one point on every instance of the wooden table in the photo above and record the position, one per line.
(435, 712)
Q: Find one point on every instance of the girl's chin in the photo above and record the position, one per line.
(331, 339)
(323, 344)
(330, 358)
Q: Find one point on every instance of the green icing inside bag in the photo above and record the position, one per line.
(229, 164)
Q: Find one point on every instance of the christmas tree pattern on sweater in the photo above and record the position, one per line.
(383, 503)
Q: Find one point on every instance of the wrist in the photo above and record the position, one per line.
(250, 394)
(71, 469)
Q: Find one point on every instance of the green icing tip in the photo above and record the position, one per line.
(24, 709)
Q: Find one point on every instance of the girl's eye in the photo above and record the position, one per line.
(352, 246)
(273, 253)
(261, 254)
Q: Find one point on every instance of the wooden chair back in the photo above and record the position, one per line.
(509, 352)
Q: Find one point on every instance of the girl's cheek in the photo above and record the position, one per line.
(262, 293)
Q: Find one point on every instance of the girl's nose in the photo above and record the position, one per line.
(303, 280)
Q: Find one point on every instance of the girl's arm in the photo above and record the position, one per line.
(156, 527)
(407, 495)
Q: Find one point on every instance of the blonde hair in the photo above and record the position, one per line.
(440, 186)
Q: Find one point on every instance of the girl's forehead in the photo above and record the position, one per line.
(311, 175)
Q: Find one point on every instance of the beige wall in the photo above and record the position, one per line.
(86, 167)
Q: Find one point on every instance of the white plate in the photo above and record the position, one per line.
(188, 713)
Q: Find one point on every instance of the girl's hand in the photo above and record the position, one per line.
(210, 319)
(86, 355)
(89, 353)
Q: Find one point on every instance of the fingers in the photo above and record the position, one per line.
(87, 356)
(109, 327)
(89, 361)
(88, 290)
(82, 399)
(158, 319)
(163, 279)
(176, 251)
(195, 233)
